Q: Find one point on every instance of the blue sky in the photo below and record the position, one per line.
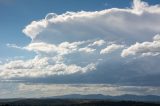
(94, 44)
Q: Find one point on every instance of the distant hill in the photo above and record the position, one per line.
(127, 97)
(72, 102)
(85, 100)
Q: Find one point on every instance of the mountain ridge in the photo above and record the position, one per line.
(125, 97)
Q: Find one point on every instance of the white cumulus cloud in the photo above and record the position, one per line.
(97, 43)
(144, 48)
(40, 67)
(87, 50)
(111, 48)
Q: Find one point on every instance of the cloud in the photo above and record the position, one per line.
(13, 46)
(30, 90)
(111, 48)
(140, 7)
(97, 43)
(144, 48)
(84, 89)
(42, 47)
(110, 24)
(40, 67)
(68, 47)
(156, 37)
(87, 50)
(63, 48)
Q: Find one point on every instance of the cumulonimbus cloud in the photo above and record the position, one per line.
(76, 41)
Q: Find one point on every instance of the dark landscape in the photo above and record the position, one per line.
(73, 102)
(85, 100)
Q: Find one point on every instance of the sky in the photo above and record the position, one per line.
(56, 47)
